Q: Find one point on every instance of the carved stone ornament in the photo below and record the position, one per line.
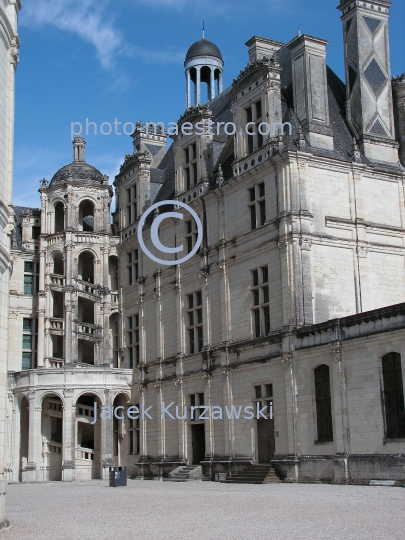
(362, 251)
(283, 244)
(14, 54)
(306, 244)
(336, 354)
(287, 361)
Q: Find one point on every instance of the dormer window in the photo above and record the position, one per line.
(190, 168)
(132, 210)
(254, 118)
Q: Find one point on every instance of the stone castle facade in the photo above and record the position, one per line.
(294, 301)
(8, 63)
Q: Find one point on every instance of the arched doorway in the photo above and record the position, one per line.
(120, 442)
(24, 436)
(88, 438)
(52, 438)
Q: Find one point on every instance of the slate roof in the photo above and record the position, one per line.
(224, 145)
(203, 48)
(79, 171)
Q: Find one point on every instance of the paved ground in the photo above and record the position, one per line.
(153, 510)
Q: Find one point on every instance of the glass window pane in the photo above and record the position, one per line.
(257, 323)
(268, 390)
(261, 190)
(26, 342)
(29, 267)
(200, 338)
(253, 217)
(265, 274)
(258, 392)
(262, 212)
(255, 275)
(198, 298)
(252, 194)
(190, 301)
(258, 109)
(256, 300)
(265, 295)
(26, 361)
(27, 325)
(266, 317)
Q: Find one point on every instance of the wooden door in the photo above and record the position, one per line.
(265, 440)
(198, 441)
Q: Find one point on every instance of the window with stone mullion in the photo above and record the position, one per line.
(261, 302)
(195, 322)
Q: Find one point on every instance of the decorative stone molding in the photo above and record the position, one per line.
(287, 361)
(306, 244)
(362, 251)
(336, 353)
(14, 54)
(283, 245)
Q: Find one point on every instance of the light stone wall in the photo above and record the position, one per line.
(9, 43)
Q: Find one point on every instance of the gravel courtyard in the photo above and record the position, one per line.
(164, 510)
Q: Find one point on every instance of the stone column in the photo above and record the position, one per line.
(32, 470)
(41, 309)
(292, 418)
(220, 83)
(188, 90)
(69, 437)
(341, 416)
(106, 449)
(211, 93)
(198, 87)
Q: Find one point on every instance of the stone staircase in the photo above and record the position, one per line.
(254, 474)
(185, 473)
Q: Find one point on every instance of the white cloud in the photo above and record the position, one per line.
(82, 17)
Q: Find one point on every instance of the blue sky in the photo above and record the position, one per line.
(107, 59)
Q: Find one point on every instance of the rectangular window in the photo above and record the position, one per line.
(257, 206)
(323, 404)
(134, 435)
(393, 396)
(133, 341)
(31, 278)
(192, 234)
(196, 400)
(132, 209)
(29, 344)
(261, 302)
(195, 322)
(132, 267)
(263, 395)
(190, 168)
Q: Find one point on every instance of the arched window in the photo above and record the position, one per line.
(323, 404)
(393, 396)
(58, 264)
(86, 216)
(85, 267)
(59, 217)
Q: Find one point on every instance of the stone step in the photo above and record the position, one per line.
(254, 474)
